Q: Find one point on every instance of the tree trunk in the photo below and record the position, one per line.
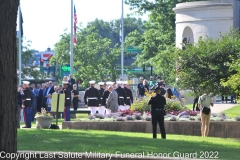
(8, 76)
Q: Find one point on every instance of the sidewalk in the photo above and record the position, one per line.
(220, 107)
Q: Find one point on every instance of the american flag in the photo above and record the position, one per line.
(75, 26)
(120, 32)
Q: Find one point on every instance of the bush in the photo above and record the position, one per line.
(99, 116)
(141, 105)
(120, 119)
(138, 116)
(173, 118)
(129, 118)
(173, 104)
(237, 118)
(148, 118)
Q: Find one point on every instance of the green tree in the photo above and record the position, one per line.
(28, 68)
(205, 64)
(94, 58)
(158, 40)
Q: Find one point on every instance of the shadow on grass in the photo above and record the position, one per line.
(125, 142)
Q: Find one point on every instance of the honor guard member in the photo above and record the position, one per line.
(106, 95)
(121, 95)
(67, 93)
(157, 103)
(27, 105)
(129, 96)
(92, 98)
(102, 108)
(101, 90)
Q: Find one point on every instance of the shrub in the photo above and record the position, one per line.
(129, 118)
(100, 116)
(237, 118)
(192, 118)
(142, 104)
(214, 114)
(91, 117)
(138, 116)
(173, 104)
(148, 118)
(223, 115)
(184, 113)
(173, 118)
(120, 119)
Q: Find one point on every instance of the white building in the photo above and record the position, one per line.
(205, 18)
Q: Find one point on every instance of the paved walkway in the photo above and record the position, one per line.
(220, 107)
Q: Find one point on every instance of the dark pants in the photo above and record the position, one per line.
(195, 104)
(19, 115)
(67, 113)
(158, 118)
(34, 109)
(225, 99)
(27, 112)
(75, 103)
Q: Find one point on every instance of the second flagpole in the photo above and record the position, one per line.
(71, 41)
(122, 53)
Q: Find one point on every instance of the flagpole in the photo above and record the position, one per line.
(71, 41)
(19, 47)
(122, 54)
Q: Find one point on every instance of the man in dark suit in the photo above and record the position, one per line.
(40, 97)
(71, 82)
(158, 103)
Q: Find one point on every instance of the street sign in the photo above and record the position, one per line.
(133, 49)
(65, 70)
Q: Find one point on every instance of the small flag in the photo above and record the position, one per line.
(120, 32)
(75, 26)
(21, 22)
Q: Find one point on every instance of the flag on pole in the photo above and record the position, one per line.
(120, 32)
(20, 21)
(75, 26)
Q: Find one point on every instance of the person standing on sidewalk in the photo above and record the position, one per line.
(204, 103)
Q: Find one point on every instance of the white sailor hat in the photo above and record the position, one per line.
(25, 82)
(101, 83)
(64, 82)
(119, 82)
(124, 82)
(109, 83)
(92, 82)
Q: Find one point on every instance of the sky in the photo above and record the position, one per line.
(45, 20)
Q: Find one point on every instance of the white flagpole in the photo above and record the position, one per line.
(71, 41)
(19, 47)
(122, 54)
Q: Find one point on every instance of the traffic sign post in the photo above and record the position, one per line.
(65, 70)
(133, 49)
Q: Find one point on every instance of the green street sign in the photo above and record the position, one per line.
(65, 70)
(132, 49)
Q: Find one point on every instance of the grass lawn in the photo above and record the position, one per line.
(233, 112)
(125, 142)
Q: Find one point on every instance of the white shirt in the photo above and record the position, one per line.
(205, 101)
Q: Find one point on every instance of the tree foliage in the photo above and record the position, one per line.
(94, 58)
(205, 64)
(29, 69)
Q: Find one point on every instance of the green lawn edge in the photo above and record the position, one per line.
(125, 142)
